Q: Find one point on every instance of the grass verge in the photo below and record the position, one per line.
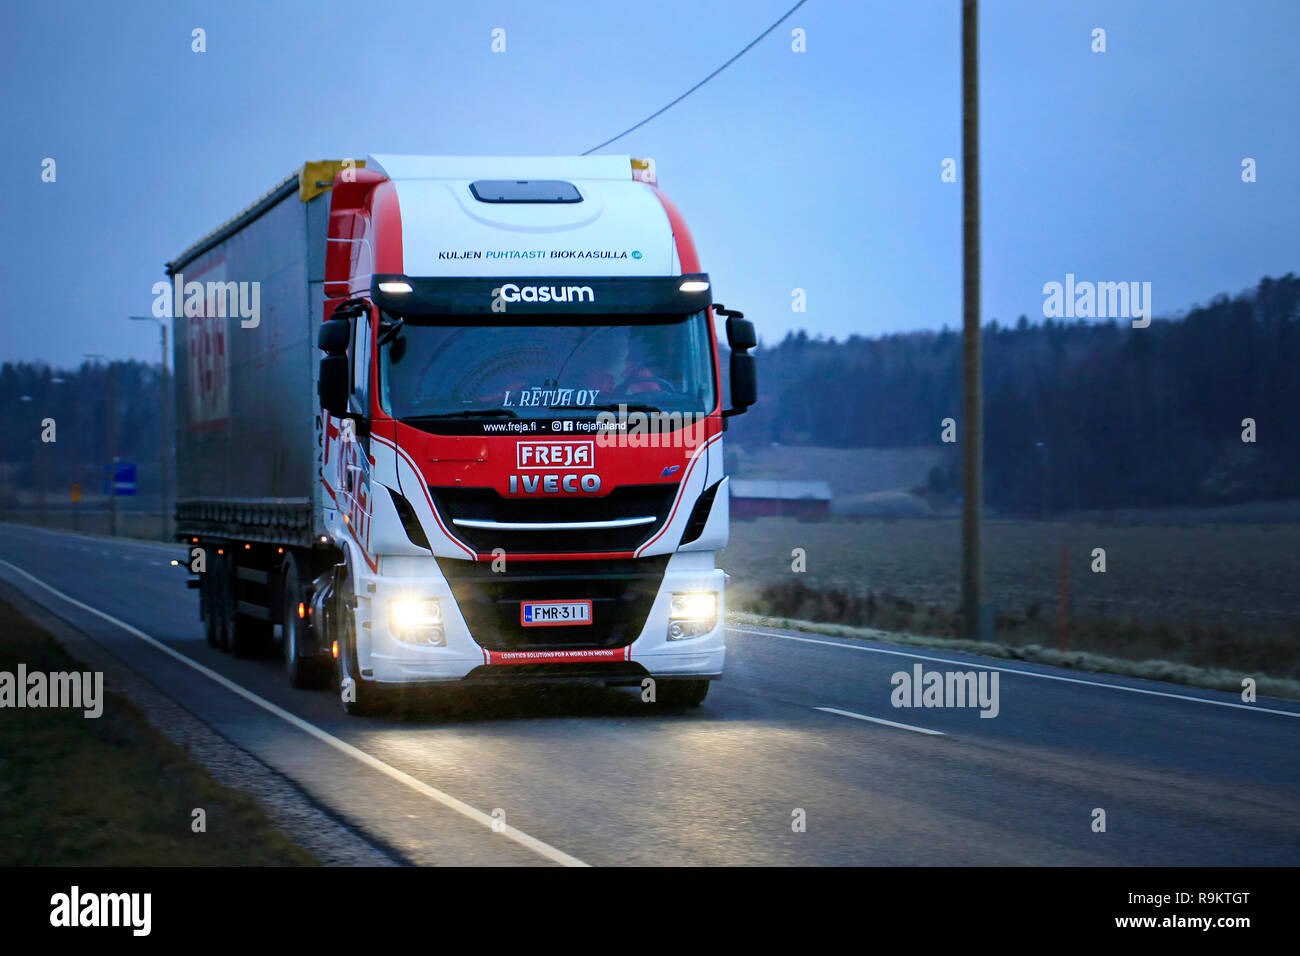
(112, 791)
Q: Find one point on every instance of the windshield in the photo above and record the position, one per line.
(556, 367)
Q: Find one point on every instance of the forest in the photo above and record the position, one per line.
(1078, 415)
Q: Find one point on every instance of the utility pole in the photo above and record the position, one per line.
(972, 402)
(164, 437)
(112, 442)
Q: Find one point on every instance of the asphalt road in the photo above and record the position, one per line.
(1185, 776)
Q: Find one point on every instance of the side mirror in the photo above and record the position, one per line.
(744, 382)
(334, 336)
(333, 385)
(741, 336)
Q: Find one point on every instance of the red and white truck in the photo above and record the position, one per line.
(458, 419)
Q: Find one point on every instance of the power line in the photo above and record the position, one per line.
(701, 83)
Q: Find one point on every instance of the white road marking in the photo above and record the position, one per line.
(881, 720)
(478, 816)
(1013, 670)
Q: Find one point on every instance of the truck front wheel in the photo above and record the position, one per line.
(681, 693)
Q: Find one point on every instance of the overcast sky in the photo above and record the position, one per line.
(818, 170)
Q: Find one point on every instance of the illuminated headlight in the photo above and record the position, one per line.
(691, 613)
(694, 285)
(395, 288)
(417, 621)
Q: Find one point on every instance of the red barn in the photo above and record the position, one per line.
(761, 498)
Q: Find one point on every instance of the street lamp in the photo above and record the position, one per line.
(112, 440)
(164, 441)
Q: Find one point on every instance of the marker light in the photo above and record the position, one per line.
(302, 610)
(334, 649)
(395, 288)
(694, 285)
(643, 171)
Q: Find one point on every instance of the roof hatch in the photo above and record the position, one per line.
(524, 190)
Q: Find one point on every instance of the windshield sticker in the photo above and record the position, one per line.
(539, 254)
(539, 397)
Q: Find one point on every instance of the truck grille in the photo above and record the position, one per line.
(621, 593)
(485, 504)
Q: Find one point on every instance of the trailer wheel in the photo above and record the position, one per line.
(682, 693)
(303, 670)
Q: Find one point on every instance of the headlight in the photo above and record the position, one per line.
(691, 613)
(417, 621)
(693, 606)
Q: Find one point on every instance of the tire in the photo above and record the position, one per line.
(681, 693)
(304, 672)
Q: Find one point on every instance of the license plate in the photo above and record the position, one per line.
(554, 613)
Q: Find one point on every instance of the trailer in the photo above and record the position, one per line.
(457, 420)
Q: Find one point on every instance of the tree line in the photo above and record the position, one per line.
(1077, 414)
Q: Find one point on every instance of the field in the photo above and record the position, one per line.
(1225, 594)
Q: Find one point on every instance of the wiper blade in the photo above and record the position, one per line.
(388, 329)
(467, 413)
(623, 406)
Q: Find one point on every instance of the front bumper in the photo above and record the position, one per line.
(385, 659)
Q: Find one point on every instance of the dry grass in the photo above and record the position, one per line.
(112, 791)
(1223, 595)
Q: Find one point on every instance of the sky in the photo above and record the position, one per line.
(817, 170)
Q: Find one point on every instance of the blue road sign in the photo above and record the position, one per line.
(123, 479)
